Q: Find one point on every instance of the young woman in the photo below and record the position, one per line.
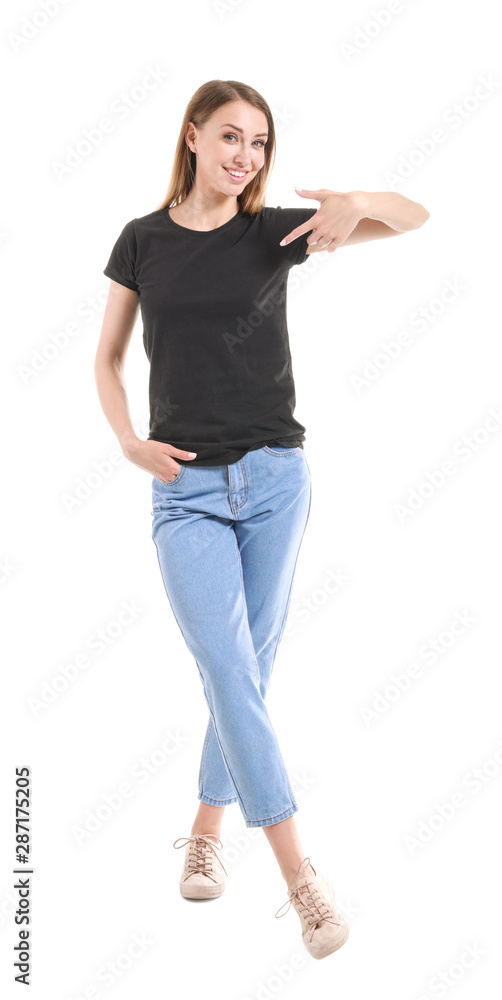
(231, 485)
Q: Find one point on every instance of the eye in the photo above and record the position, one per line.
(232, 134)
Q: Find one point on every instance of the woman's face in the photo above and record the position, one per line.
(232, 139)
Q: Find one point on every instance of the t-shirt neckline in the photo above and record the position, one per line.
(200, 232)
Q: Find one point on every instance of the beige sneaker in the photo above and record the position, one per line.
(324, 930)
(202, 876)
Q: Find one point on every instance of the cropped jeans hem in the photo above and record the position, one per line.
(270, 820)
(217, 802)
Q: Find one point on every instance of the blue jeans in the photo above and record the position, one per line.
(227, 540)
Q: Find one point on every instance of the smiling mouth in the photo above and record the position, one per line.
(233, 177)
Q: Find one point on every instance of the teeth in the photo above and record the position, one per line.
(236, 173)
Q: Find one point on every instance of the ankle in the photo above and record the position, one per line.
(289, 876)
(204, 833)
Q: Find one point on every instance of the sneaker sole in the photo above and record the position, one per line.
(328, 891)
(197, 892)
(334, 945)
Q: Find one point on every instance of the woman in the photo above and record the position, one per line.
(231, 485)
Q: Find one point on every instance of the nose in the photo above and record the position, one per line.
(244, 163)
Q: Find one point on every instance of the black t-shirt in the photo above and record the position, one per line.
(213, 306)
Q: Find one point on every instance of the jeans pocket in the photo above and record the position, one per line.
(281, 450)
(159, 485)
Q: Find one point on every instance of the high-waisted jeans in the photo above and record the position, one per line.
(227, 540)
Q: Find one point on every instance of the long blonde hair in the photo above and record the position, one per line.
(207, 99)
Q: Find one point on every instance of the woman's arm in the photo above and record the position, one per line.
(347, 217)
(384, 213)
(118, 323)
(154, 457)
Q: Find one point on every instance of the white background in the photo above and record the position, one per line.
(365, 788)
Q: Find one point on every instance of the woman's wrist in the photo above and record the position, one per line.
(360, 200)
(128, 442)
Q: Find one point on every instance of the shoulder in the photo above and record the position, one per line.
(136, 233)
(277, 218)
(145, 223)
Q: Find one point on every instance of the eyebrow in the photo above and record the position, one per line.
(237, 129)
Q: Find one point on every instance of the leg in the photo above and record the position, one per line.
(274, 493)
(208, 819)
(285, 843)
(202, 573)
(273, 545)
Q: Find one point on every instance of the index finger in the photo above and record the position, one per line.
(299, 231)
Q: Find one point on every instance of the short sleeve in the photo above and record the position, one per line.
(282, 221)
(121, 265)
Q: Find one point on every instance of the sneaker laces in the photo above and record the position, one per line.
(199, 856)
(308, 901)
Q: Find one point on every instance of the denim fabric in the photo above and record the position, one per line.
(227, 540)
